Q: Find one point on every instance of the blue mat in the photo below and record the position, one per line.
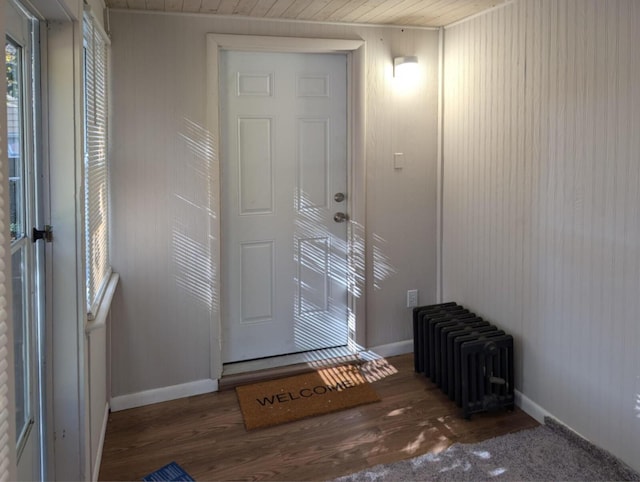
(169, 473)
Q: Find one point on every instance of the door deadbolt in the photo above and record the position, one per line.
(340, 217)
(339, 197)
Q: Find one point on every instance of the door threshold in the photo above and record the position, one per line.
(252, 371)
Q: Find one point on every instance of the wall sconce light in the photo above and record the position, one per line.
(405, 67)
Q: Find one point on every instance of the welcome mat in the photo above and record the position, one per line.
(284, 400)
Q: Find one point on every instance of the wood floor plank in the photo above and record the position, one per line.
(205, 434)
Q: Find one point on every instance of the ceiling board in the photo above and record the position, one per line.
(418, 13)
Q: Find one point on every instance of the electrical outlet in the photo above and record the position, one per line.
(412, 298)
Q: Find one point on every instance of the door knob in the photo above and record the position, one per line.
(46, 234)
(340, 217)
(339, 197)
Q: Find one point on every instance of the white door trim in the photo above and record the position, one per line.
(355, 50)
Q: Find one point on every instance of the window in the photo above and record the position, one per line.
(96, 167)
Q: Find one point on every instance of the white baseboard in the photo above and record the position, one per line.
(534, 410)
(164, 394)
(531, 408)
(393, 349)
(103, 433)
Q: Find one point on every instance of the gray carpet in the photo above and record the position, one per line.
(548, 452)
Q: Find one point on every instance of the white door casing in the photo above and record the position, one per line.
(284, 158)
(355, 50)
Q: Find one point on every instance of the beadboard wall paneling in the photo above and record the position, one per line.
(162, 206)
(98, 403)
(541, 195)
(424, 13)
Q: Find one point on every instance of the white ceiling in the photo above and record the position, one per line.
(420, 13)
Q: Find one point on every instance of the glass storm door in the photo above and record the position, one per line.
(21, 60)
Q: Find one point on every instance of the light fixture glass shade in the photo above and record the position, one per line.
(405, 67)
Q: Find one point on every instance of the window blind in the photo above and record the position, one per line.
(96, 167)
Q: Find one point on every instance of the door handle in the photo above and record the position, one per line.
(340, 217)
(46, 234)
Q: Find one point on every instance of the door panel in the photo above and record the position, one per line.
(256, 292)
(284, 156)
(255, 183)
(313, 158)
(313, 285)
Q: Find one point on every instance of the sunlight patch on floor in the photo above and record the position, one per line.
(466, 466)
(483, 454)
(377, 369)
(453, 460)
(399, 411)
(412, 447)
(341, 377)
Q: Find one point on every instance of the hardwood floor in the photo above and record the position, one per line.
(205, 434)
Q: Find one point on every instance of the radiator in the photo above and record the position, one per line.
(470, 359)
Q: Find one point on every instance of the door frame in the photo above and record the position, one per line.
(356, 168)
(35, 180)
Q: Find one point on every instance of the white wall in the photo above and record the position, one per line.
(161, 203)
(541, 186)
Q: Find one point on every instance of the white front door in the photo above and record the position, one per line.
(26, 256)
(283, 181)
